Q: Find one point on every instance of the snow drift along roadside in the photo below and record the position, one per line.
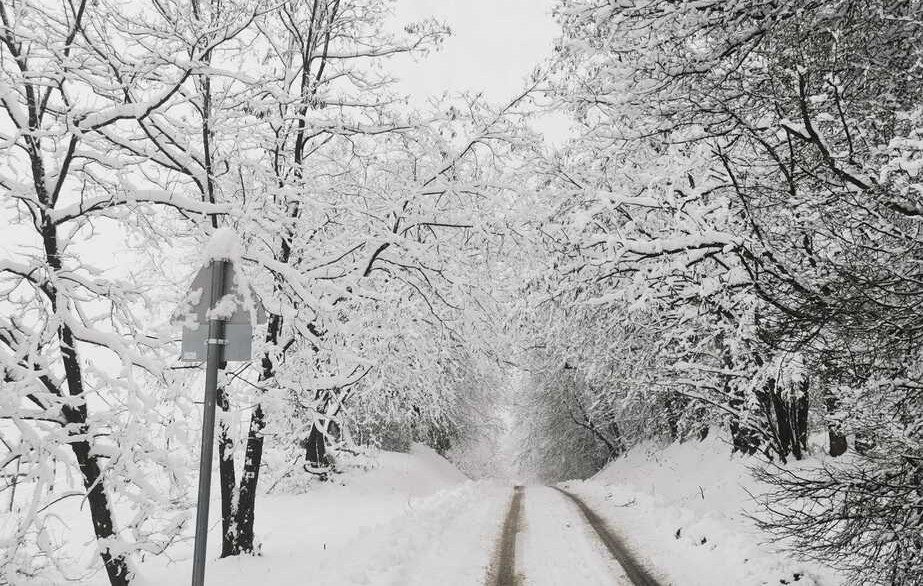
(682, 510)
(323, 531)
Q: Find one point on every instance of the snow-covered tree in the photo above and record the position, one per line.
(84, 382)
(801, 121)
(363, 223)
(362, 226)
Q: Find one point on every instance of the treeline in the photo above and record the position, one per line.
(735, 242)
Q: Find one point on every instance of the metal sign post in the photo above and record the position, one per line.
(229, 309)
(214, 356)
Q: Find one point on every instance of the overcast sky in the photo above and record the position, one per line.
(495, 45)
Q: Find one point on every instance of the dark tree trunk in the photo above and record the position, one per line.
(838, 444)
(783, 424)
(74, 410)
(75, 413)
(676, 405)
(792, 420)
(315, 448)
(249, 478)
(253, 455)
(800, 411)
(227, 479)
(787, 418)
(744, 439)
(100, 512)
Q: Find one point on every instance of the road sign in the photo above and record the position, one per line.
(217, 328)
(232, 307)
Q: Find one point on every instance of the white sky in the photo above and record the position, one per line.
(494, 46)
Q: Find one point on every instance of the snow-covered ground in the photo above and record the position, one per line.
(682, 509)
(413, 520)
(556, 546)
(411, 517)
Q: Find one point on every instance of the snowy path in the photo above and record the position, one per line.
(458, 552)
(636, 572)
(376, 532)
(556, 545)
(413, 520)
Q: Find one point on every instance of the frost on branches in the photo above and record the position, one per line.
(135, 134)
(737, 234)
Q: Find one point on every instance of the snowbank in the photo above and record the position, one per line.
(683, 510)
(420, 472)
(326, 531)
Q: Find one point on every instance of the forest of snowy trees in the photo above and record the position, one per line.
(731, 242)
(736, 244)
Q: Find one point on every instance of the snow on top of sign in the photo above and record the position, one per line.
(223, 245)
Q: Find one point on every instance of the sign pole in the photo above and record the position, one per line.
(214, 356)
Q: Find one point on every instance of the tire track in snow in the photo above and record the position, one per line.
(503, 570)
(558, 547)
(635, 571)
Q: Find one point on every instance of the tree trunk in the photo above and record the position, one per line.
(75, 413)
(788, 419)
(783, 424)
(676, 405)
(100, 512)
(253, 455)
(227, 479)
(744, 439)
(315, 448)
(793, 424)
(246, 496)
(801, 405)
(838, 444)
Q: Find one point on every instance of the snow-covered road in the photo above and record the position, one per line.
(556, 545)
(482, 533)
(414, 520)
(453, 537)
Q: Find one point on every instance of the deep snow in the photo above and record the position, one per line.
(683, 509)
(414, 519)
(364, 527)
